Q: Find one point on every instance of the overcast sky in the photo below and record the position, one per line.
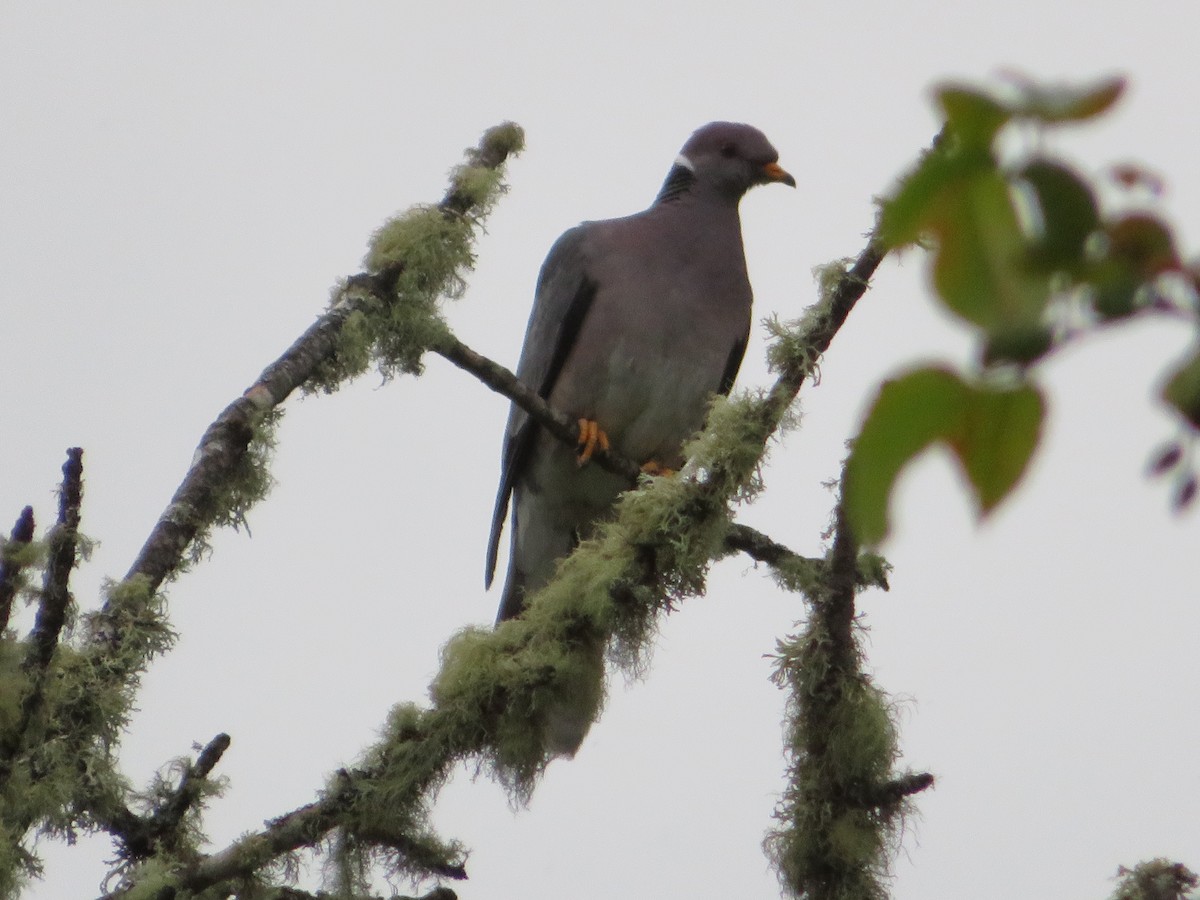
(181, 184)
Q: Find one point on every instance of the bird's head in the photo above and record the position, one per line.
(732, 158)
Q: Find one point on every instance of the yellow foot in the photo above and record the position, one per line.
(654, 467)
(591, 436)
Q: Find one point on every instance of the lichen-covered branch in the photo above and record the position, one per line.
(798, 573)
(842, 806)
(414, 259)
(68, 780)
(53, 609)
(1156, 879)
(63, 543)
(141, 836)
(12, 564)
(515, 697)
(511, 699)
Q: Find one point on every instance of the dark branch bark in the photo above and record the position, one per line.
(557, 423)
(10, 571)
(895, 791)
(56, 594)
(765, 549)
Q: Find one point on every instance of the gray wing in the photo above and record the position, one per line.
(561, 302)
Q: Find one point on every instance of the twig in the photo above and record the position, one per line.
(503, 381)
(10, 569)
(140, 834)
(896, 790)
(763, 548)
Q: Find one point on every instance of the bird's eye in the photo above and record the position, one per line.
(729, 151)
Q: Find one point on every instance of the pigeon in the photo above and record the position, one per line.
(636, 323)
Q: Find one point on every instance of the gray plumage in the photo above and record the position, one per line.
(636, 322)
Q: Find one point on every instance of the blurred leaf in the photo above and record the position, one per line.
(1022, 344)
(1068, 212)
(1182, 389)
(1143, 244)
(979, 270)
(918, 201)
(1133, 175)
(1186, 493)
(909, 414)
(1114, 288)
(992, 432)
(1166, 459)
(1067, 104)
(974, 117)
(1001, 433)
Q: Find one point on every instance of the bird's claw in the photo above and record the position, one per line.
(591, 436)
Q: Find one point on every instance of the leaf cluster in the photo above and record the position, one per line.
(1023, 252)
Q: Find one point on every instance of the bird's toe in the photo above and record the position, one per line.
(591, 437)
(654, 467)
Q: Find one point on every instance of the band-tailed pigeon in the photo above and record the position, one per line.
(636, 323)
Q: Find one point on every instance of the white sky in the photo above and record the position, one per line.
(181, 183)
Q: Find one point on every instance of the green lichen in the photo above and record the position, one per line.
(835, 834)
(248, 483)
(800, 575)
(505, 139)
(1156, 879)
(791, 350)
(21, 553)
(386, 822)
(416, 259)
(523, 694)
(478, 186)
(873, 570)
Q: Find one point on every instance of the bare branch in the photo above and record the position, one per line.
(557, 423)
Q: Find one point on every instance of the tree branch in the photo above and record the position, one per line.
(140, 834)
(225, 442)
(439, 735)
(10, 565)
(56, 594)
(53, 605)
(503, 381)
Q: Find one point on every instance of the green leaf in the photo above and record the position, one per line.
(992, 432)
(1002, 429)
(909, 414)
(917, 204)
(1182, 390)
(974, 117)
(1021, 344)
(1115, 288)
(1068, 214)
(979, 270)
